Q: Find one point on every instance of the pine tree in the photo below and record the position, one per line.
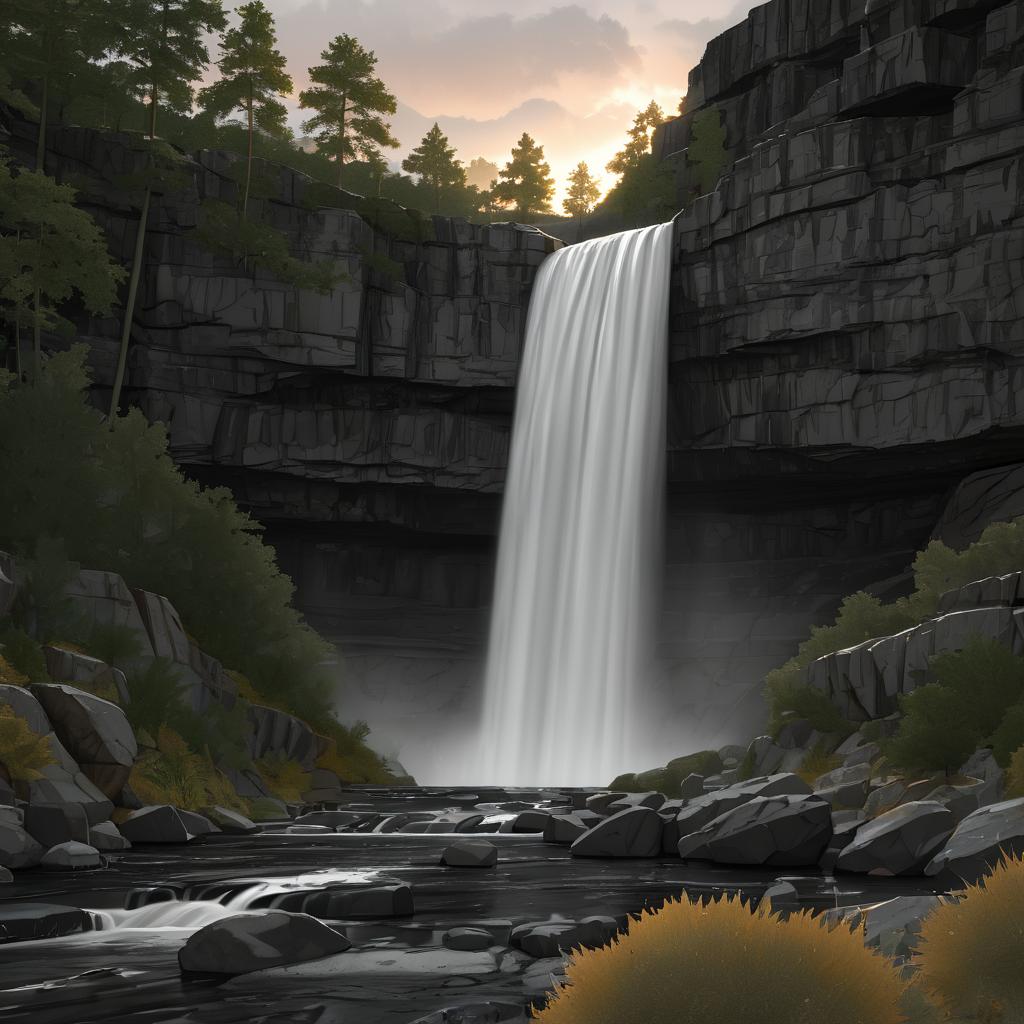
(525, 182)
(638, 144)
(350, 101)
(434, 161)
(165, 42)
(51, 43)
(49, 250)
(583, 192)
(253, 76)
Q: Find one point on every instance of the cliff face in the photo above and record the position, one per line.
(846, 350)
(848, 315)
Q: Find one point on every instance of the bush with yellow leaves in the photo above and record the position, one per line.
(690, 963)
(23, 753)
(969, 952)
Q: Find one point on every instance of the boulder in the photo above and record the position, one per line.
(652, 799)
(764, 755)
(530, 821)
(94, 732)
(467, 940)
(960, 800)
(893, 927)
(231, 821)
(691, 786)
(703, 809)
(867, 753)
(564, 828)
(61, 782)
(71, 856)
(157, 823)
(899, 842)
(552, 938)
(50, 824)
(981, 765)
(794, 734)
(22, 921)
(885, 797)
(470, 853)
(5, 875)
(254, 942)
(780, 831)
(635, 832)
(599, 802)
(17, 848)
(394, 900)
(979, 841)
(107, 837)
(88, 673)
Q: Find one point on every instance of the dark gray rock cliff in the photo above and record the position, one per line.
(846, 359)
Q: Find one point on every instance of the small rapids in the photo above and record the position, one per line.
(197, 907)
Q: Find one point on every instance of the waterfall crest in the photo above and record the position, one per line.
(581, 519)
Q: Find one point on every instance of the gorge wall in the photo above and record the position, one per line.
(845, 362)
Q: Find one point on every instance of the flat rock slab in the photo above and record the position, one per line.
(21, 921)
(402, 962)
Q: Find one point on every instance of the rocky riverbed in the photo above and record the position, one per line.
(422, 938)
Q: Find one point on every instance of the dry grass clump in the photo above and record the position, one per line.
(1015, 775)
(9, 675)
(23, 753)
(689, 963)
(817, 763)
(970, 952)
(287, 780)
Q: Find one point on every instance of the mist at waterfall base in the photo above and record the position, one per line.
(571, 638)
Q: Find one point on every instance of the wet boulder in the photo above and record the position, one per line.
(552, 938)
(470, 853)
(393, 900)
(71, 856)
(780, 831)
(22, 921)
(635, 832)
(94, 732)
(564, 828)
(980, 840)
(50, 824)
(106, 836)
(17, 848)
(530, 821)
(704, 809)
(652, 799)
(231, 821)
(254, 942)
(467, 940)
(899, 842)
(156, 823)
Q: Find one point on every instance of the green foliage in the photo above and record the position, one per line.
(969, 951)
(696, 963)
(164, 42)
(638, 143)
(113, 643)
(118, 501)
(23, 654)
(434, 161)
(49, 251)
(222, 230)
(583, 192)
(347, 754)
(287, 780)
(41, 606)
(667, 780)
(1009, 735)
(23, 753)
(525, 183)
(946, 721)
(384, 265)
(350, 101)
(707, 153)
(1015, 775)
(791, 699)
(645, 195)
(156, 696)
(253, 78)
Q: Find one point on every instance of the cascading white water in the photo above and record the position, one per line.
(580, 525)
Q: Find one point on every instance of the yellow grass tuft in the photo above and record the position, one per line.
(287, 780)
(23, 753)
(9, 675)
(689, 963)
(970, 952)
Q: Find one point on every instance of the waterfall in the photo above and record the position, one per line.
(570, 626)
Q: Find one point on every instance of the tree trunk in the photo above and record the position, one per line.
(41, 139)
(248, 165)
(341, 138)
(37, 342)
(152, 112)
(129, 309)
(17, 349)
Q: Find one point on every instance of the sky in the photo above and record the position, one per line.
(571, 74)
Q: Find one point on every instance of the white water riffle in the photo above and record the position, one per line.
(570, 627)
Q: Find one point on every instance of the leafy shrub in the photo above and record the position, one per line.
(1015, 775)
(816, 763)
(156, 696)
(946, 721)
(23, 656)
(113, 643)
(790, 699)
(707, 152)
(689, 963)
(135, 514)
(287, 780)
(969, 952)
(23, 753)
(1009, 737)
